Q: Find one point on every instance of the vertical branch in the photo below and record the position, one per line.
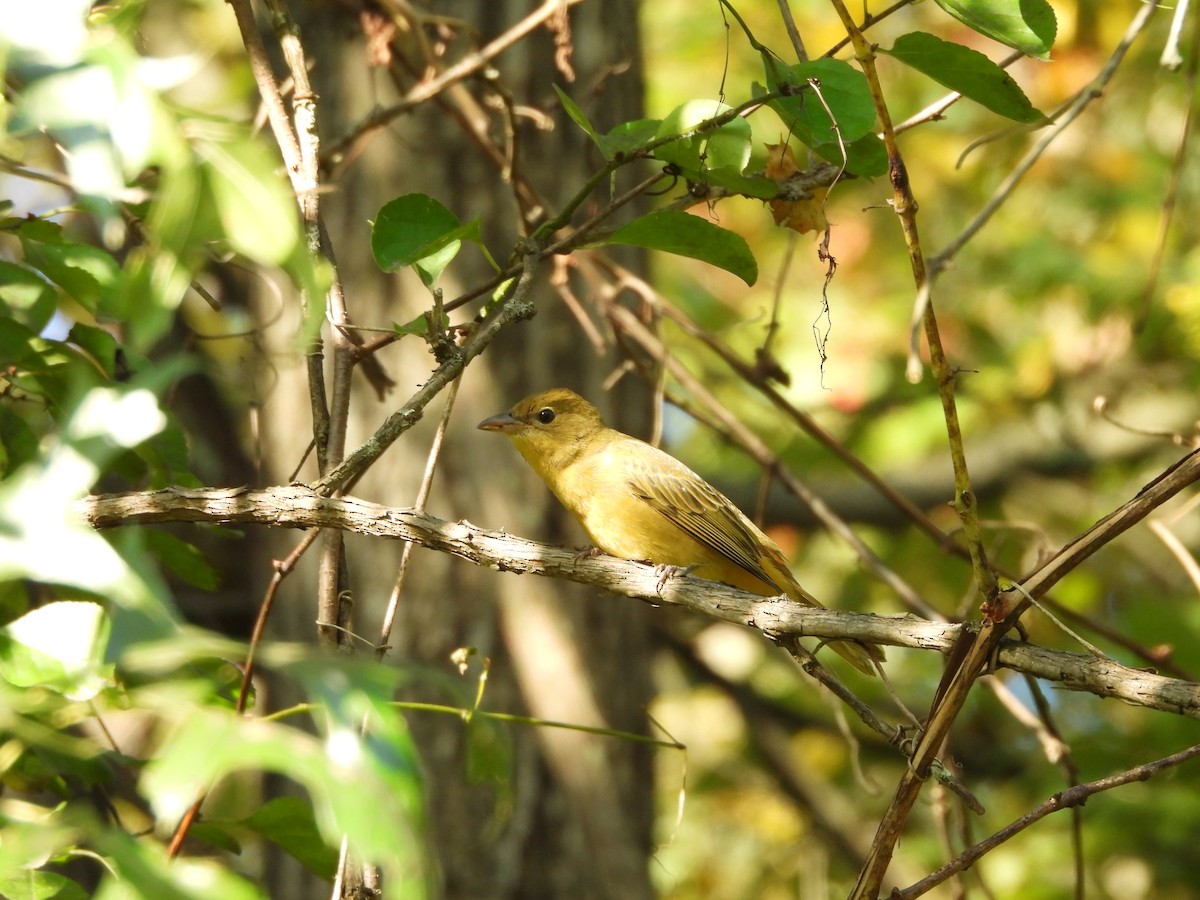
(1171, 198)
(960, 681)
(300, 146)
(906, 210)
(789, 22)
(303, 185)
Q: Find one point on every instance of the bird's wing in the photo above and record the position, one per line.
(700, 511)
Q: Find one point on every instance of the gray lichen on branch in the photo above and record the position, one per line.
(296, 506)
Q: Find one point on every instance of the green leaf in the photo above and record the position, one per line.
(751, 186)
(215, 834)
(686, 235)
(58, 646)
(701, 147)
(628, 137)
(257, 211)
(43, 230)
(967, 71)
(866, 157)
(44, 368)
(182, 559)
(1026, 25)
(168, 458)
(577, 115)
(86, 274)
(143, 870)
(181, 221)
(420, 325)
(489, 753)
(367, 787)
(17, 440)
(101, 346)
(288, 822)
(17, 342)
(415, 230)
(27, 296)
(32, 884)
(843, 89)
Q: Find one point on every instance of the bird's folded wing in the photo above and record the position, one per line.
(704, 514)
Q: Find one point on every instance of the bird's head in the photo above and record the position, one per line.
(549, 429)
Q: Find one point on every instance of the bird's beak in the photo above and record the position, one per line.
(503, 422)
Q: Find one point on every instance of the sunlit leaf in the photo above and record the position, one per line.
(258, 213)
(288, 823)
(34, 884)
(86, 274)
(59, 646)
(577, 115)
(342, 777)
(686, 235)
(702, 147)
(628, 136)
(25, 295)
(416, 230)
(967, 71)
(1026, 25)
(142, 870)
(822, 86)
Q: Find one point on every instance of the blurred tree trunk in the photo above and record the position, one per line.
(512, 811)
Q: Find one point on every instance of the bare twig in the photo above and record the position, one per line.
(426, 90)
(869, 19)
(789, 24)
(1068, 799)
(974, 659)
(282, 570)
(435, 450)
(1093, 91)
(512, 309)
(1172, 60)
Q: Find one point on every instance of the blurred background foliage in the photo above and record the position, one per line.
(1044, 310)
(1050, 306)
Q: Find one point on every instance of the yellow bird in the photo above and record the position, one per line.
(637, 502)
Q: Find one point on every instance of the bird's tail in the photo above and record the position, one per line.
(861, 656)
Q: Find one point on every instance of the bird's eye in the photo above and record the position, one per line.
(545, 415)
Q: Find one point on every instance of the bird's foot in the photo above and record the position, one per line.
(666, 573)
(588, 553)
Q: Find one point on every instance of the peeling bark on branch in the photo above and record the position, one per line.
(295, 506)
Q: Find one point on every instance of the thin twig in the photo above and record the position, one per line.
(1171, 59)
(1067, 799)
(426, 90)
(793, 33)
(282, 570)
(431, 462)
(513, 308)
(1093, 91)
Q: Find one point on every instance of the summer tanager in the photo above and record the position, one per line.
(637, 502)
